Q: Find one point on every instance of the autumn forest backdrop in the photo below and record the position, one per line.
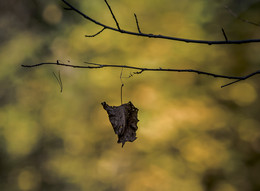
(193, 135)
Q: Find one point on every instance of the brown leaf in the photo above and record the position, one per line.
(124, 121)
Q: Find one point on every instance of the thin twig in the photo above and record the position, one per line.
(68, 9)
(242, 78)
(141, 70)
(122, 85)
(224, 34)
(58, 78)
(161, 36)
(113, 15)
(241, 19)
(137, 24)
(96, 33)
(231, 83)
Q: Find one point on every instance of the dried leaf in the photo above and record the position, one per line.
(124, 121)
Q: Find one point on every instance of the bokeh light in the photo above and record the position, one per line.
(193, 135)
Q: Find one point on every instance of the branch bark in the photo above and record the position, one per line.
(141, 70)
(141, 34)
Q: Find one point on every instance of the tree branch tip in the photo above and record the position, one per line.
(25, 66)
(67, 8)
(223, 86)
(137, 24)
(225, 36)
(233, 82)
(139, 72)
(99, 32)
(117, 24)
(90, 36)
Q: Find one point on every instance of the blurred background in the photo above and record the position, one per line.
(193, 135)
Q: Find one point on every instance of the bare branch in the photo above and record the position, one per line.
(241, 19)
(137, 24)
(113, 15)
(160, 36)
(96, 33)
(141, 70)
